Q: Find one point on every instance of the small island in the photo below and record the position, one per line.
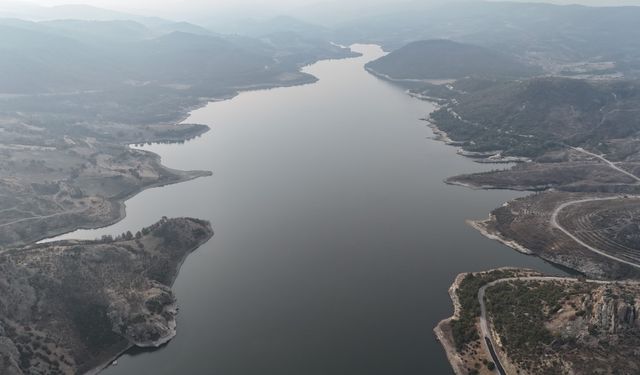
(73, 306)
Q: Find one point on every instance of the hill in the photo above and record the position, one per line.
(260, 27)
(432, 59)
(72, 55)
(547, 35)
(530, 117)
(71, 307)
(538, 324)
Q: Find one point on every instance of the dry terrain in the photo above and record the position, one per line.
(597, 235)
(550, 327)
(70, 184)
(72, 307)
(460, 334)
(576, 146)
(542, 325)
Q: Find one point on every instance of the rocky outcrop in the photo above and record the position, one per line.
(149, 321)
(613, 314)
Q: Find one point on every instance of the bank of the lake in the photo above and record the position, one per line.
(336, 237)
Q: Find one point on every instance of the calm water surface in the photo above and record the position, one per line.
(336, 239)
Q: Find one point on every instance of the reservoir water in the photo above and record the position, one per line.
(335, 238)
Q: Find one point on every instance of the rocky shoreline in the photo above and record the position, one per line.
(116, 295)
(577, 314)
(443, 329)
(173, 309)
(537, 177)
(483, 227)
(120, 204)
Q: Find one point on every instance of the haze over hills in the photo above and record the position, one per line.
(531, 117)
(541, 34)
(35, 12)
(109, 53)
(118, 82)
(433, 59)
(553, 89)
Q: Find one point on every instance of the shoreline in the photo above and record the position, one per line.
(305, 79)
(528, 189)
(442, 331)
(386, 77)
(164, 341)
(451, 181)
(482, 227)
(563, 265)
(185, 176)
(493, 157)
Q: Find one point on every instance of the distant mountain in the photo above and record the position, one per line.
(87, 13)
(543, 34)
(335, 13)
(193, 59)
(72, 55)
(185, 27)
(279, 24)
(34, 12)
(433, 59)
(37, 61)
(84, 12)
(98, 31)
(45, 61)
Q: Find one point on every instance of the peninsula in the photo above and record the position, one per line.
(73, 306)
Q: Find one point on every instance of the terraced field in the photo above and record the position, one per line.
(612, 226)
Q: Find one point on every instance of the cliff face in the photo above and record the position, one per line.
(68, 307)
(612, 314)
(565, 326)
(599, 329)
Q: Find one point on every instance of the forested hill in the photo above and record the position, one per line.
(527, 118)
(68, 55)
(543, 34)
(433, 59)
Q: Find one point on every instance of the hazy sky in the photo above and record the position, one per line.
(168, 5)
(164, 5)
(193, 10)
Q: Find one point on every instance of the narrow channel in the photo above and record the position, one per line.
(336, 239)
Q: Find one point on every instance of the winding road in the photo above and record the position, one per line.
(555, 224)
(554, 216)
(608, 162)
(41, 217)
(488, 342)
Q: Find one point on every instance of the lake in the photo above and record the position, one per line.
(336, 238)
